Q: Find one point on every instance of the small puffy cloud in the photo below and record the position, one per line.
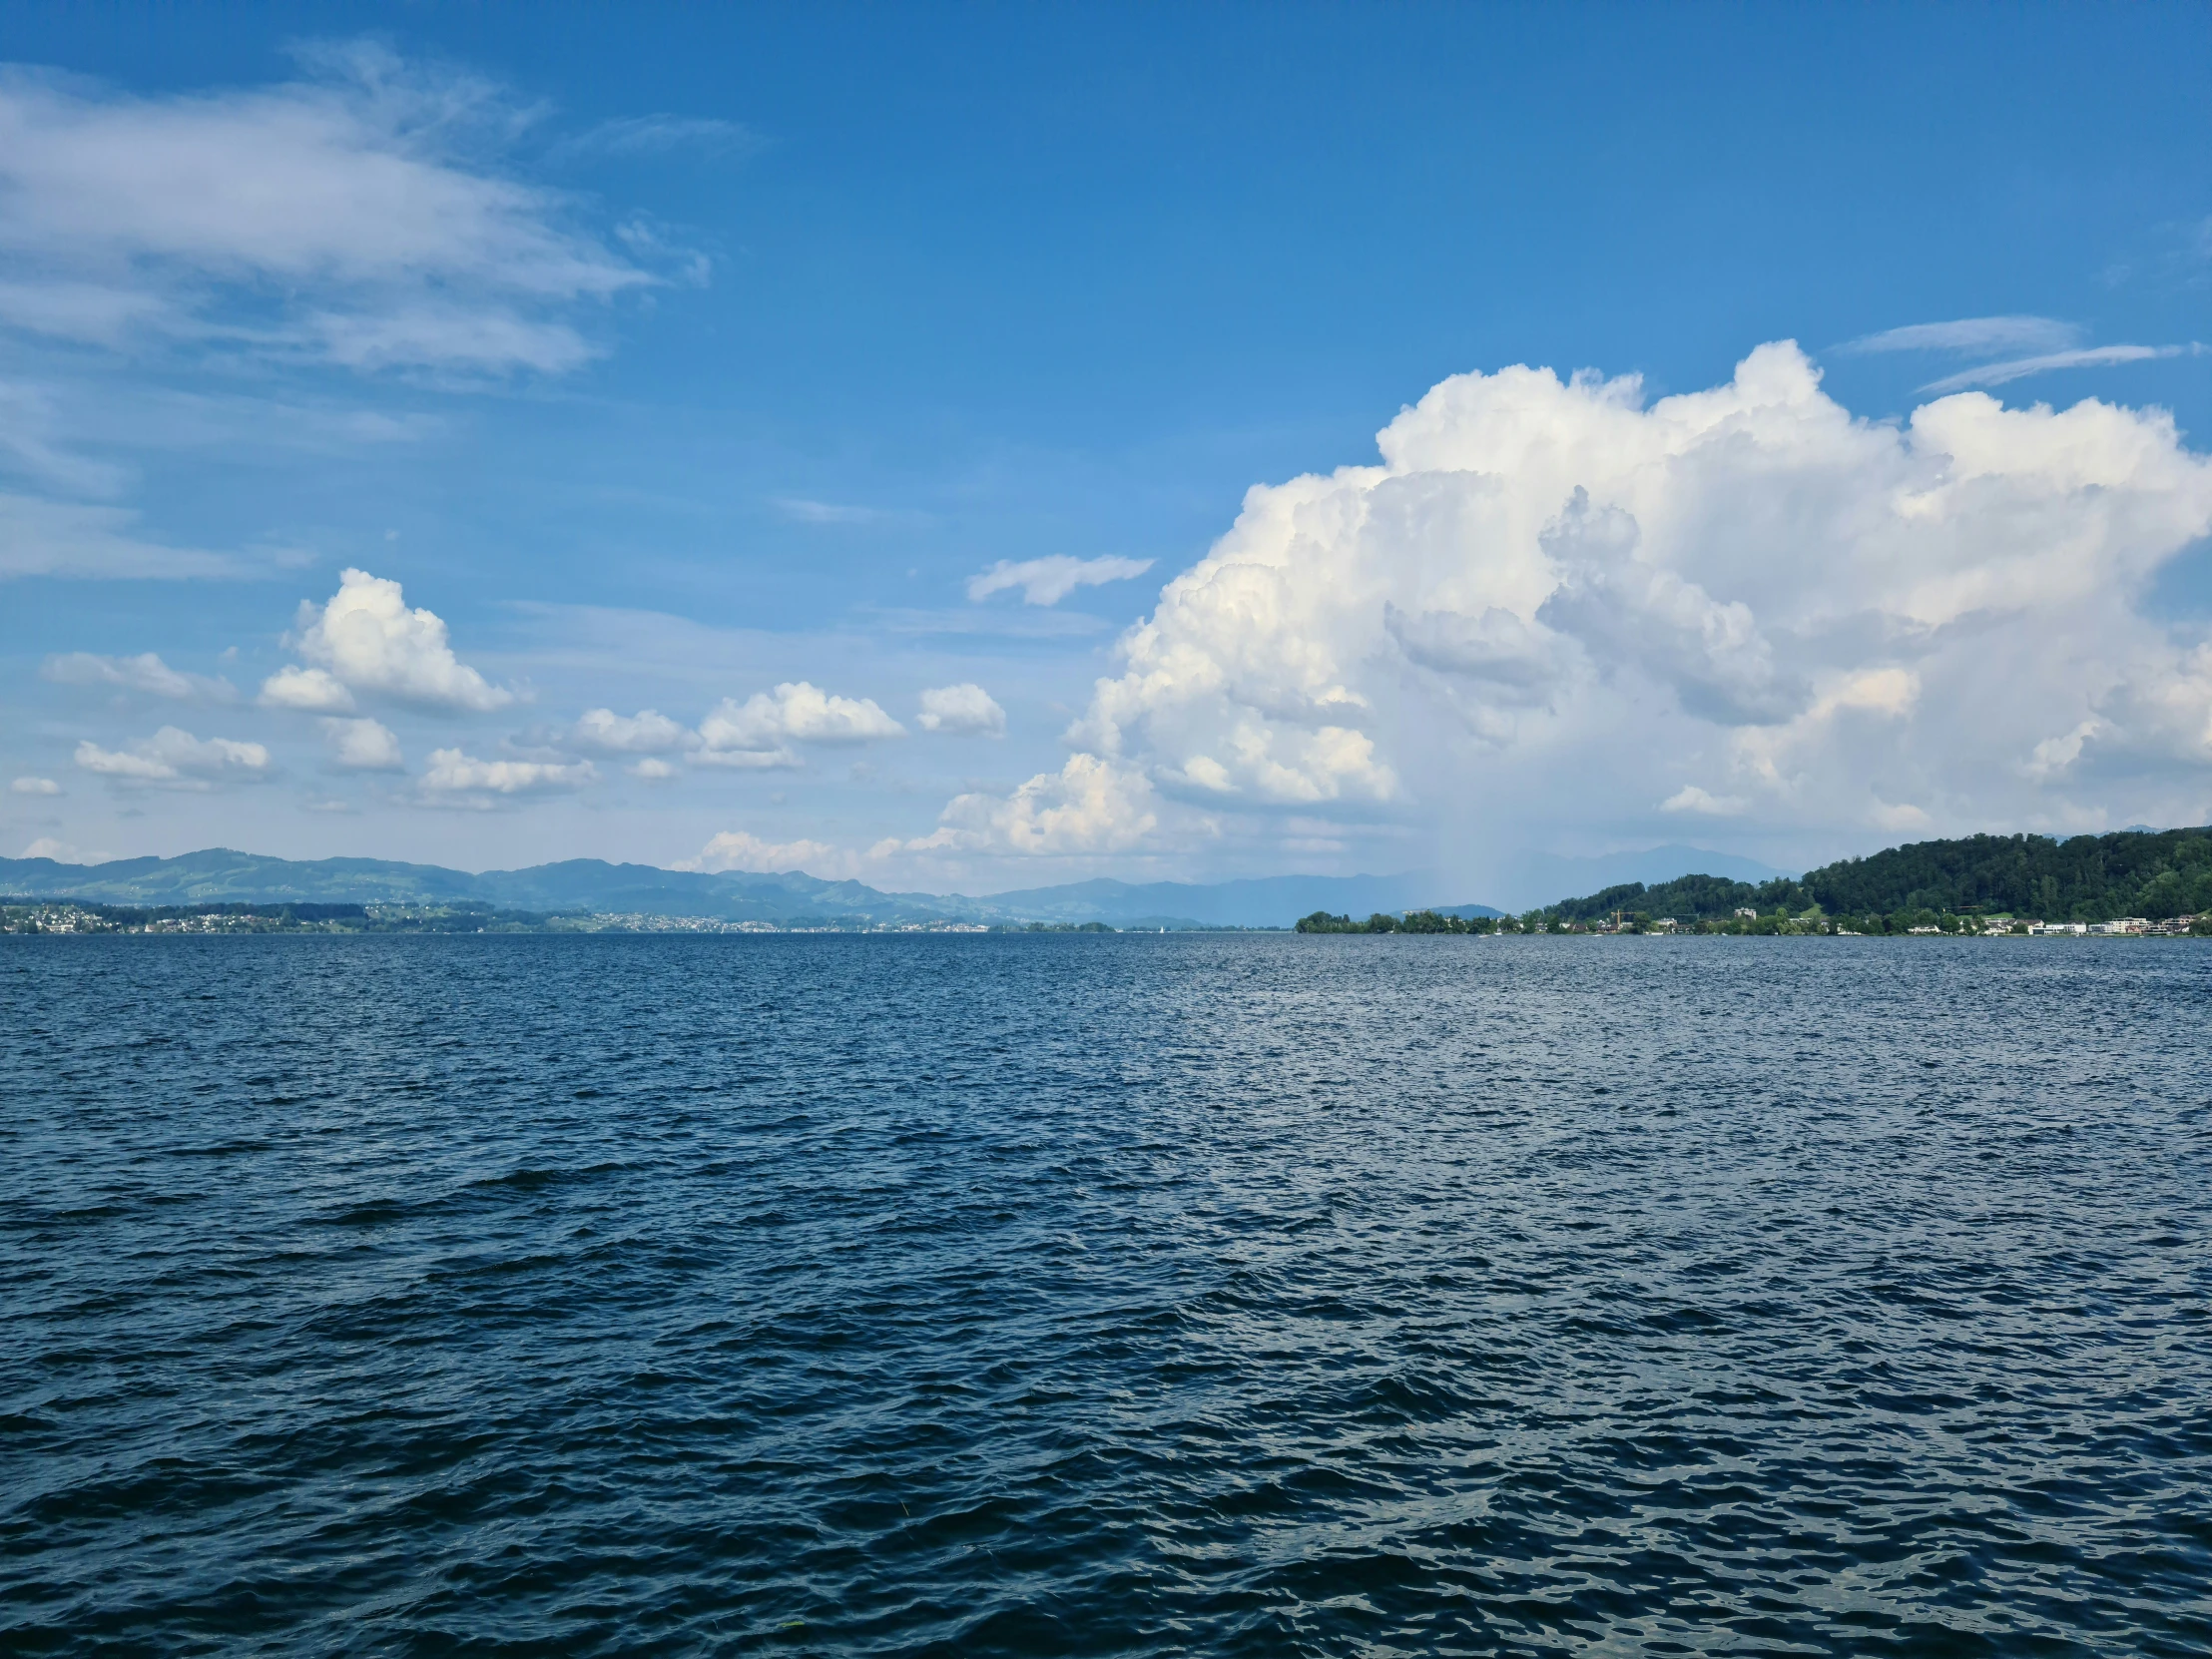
(143, 672)
(1690, 799)
(736, 849)
(368, 639)
(458, 779)
(362, 746)
(648, 731)
(64, 853)
(1049, 580)
(759, 731)
(35, 786)
(965, 709)
(174, 759)
(654, 770)
(311, 691)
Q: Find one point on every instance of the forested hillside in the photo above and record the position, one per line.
(2082, 878)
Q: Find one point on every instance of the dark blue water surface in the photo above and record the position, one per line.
(1105, 1295)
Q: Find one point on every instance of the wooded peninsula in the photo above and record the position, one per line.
(1974, 884)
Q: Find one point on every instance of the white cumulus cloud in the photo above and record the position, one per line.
(1552, 605)
(648, 731)
(759, 731)
(1049, 580)
(365, 639)
(1089, 806)
(362, 746)
(314, 690)
(963, 709)
(64, 853)
(176, 758)
(458, 779)
(1690, 799)
(35, 786)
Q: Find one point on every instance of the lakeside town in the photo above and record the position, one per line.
(71, 917)
(1997, 927)
(1747, 920)
(63, 917)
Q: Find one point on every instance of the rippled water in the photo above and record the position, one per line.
(1105, 1295)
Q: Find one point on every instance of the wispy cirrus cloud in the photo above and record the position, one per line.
(799, 509)
(143, 672)
(1049, 580)
(357, 216)
(2092, 356)
(2019, 345)
(69, 539)
(31, 443)
(659, 135)
(1972, 336)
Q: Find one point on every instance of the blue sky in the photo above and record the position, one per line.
(669, 356)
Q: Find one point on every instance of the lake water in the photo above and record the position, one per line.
(1123, 1294)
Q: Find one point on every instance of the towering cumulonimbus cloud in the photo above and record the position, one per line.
(1553, 603)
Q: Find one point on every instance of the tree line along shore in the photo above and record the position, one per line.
(1972, 885)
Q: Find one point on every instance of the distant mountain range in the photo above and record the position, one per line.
(2136, 871)
(218, 875)
(221, 875)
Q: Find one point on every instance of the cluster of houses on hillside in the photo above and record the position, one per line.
(1987, 927)
(2124, 924)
